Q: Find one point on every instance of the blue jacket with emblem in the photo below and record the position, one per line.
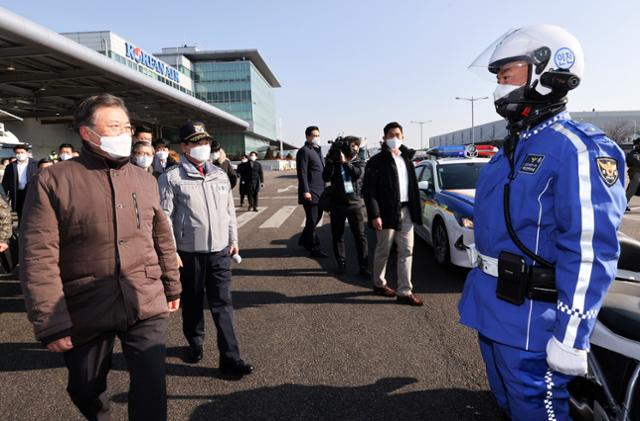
(567, 201)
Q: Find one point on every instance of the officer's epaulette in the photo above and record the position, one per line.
(586, 128)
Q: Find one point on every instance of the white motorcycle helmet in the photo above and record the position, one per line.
(555, 63)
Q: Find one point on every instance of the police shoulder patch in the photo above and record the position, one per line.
(531, 163)
(608, 170)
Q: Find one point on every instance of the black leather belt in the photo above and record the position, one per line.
(405, 204)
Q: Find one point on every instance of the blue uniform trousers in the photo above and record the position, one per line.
(523, 384)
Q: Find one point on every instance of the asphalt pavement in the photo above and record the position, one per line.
(324, 347)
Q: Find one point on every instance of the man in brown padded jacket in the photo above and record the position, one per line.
(98, 261)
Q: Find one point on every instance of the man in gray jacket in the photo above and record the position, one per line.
(196, 196)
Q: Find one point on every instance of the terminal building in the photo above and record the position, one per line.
(44, 75)
(621, 126)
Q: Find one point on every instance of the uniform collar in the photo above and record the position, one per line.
(526, 134)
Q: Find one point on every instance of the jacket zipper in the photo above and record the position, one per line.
(135, 202)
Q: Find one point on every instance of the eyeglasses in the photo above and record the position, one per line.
(118, 129)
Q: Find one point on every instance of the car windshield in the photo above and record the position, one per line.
(459, 176)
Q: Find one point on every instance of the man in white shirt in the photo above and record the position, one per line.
(17, 176)
(393, 206)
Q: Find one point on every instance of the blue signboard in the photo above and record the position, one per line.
(136, 54)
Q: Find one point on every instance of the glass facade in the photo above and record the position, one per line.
(239, 89)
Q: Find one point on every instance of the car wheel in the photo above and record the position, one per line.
(440, 243)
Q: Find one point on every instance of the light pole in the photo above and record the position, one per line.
(472, 100)
(421, 123)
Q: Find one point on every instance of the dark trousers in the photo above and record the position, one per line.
(210, 274)
(20, 196)
(242, 195)
(309, 237)
(354, 213)
(143, 346)
(253, 198)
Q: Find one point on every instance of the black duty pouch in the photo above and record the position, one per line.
(542, 285)
(513, 277)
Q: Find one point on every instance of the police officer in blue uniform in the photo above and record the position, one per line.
(547, 210)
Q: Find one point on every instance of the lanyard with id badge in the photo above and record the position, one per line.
(348, 185)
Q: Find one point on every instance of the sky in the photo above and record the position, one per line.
(350, 67)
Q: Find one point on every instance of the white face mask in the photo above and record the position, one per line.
(393, 143)
(244, 160)
(162, 155)
(21, 157)
(200, 153)
(215, 156)
(144, 161)
(65, 156)
(116, 146)
(315, 141)
(253, 157)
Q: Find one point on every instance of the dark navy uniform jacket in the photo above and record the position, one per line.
(567, 201)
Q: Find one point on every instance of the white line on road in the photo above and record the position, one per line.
(289, 187)
(279, 217)
(248, 216)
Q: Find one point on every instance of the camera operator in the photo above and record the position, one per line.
(344, 170)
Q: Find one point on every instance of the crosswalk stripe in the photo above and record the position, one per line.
(279, 217)
(248, 216)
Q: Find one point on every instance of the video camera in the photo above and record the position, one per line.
(340, 144)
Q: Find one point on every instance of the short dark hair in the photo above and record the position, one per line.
(85, 113)
(636, 141)
(66, 145)
(160, 142)
(352, 139)
(215, 146)
(45, 161)
(142, 129)
(253, 153)
(308, 130)
(23, 147)
(3, 160)
(392, 125)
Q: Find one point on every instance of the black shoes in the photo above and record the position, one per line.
(195, 354)
(365, 273)
(318, 253)
(342, 268)
(255, 209)
(237, 368)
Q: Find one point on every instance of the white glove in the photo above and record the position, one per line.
(565, 359)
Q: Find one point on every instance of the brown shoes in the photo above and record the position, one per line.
(385, 291)
(411, 300)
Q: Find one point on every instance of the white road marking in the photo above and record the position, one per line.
(279, 217)
(292, 186)
(248, 216)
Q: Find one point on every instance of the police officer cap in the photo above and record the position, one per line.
(636, 141)
(193, 131)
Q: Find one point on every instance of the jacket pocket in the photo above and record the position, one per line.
(135, 205)
(77, 286)
(153, 272)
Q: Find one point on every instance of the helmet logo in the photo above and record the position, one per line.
(564, 58)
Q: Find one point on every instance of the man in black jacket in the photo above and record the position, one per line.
(309, 165)
(633, 162)
(393, 206)
(17, 176)
(251, 179)
(344, 170)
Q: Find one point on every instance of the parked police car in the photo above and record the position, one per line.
(447, 182)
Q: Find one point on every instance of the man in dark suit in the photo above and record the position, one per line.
(310, 164)
(17, 176)
(251, 179)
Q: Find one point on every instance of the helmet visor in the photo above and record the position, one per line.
(514, 47)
